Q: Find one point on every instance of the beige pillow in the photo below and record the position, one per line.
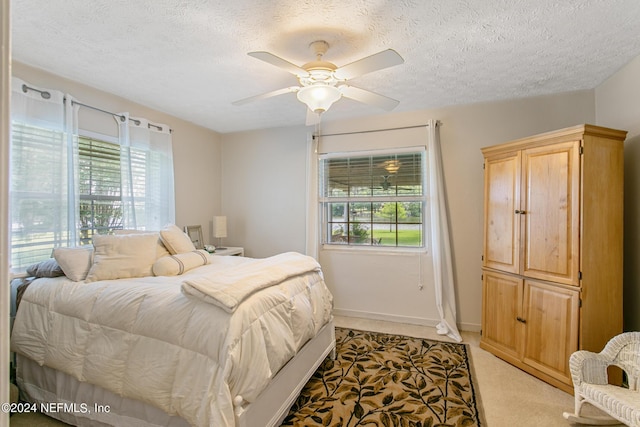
(176, 240)
(161, 250)
(123, 256)
(174, 265)
(75, 262)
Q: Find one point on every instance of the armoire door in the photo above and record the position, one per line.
(501, 222)
(501, 311)
(551, 316)
(550, 215)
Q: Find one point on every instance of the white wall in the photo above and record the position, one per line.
(264, 181)
(262, 167)
(196, 150)
(618, 106)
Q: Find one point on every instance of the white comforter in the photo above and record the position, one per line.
(145, 339)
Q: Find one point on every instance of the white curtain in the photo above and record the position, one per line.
(73, 197)
(146, 157)
(440, 240)
(312, 230)
(43, 192)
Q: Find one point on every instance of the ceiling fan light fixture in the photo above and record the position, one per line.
(392, 166)
(319, 97)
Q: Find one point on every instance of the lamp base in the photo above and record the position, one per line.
(219, 246)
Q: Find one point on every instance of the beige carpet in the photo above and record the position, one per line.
(390, 380)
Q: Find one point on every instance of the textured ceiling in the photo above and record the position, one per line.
(188, 57)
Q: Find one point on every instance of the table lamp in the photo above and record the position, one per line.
(219, 229)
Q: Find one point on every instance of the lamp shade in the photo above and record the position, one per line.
(319, 97)
(219, 226)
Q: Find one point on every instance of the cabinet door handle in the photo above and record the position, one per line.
(519, 212)
(521, 320)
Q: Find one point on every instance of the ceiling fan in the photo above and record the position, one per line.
(321, 83)
(390, 182)
(385, 184)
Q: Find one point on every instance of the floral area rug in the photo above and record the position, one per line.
(390, 380)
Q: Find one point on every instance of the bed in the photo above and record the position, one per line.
(224, 341)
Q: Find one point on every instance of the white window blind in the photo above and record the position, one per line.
(100, 186)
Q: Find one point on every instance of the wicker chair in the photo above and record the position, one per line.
(589, 374)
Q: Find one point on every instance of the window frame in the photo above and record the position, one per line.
(324, 202)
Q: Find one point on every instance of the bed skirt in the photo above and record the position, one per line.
(83, 404)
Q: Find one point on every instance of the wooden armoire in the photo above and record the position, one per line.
(552, 253)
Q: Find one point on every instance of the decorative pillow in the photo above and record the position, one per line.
(75, 262)
(161, 250)
(173, 265)
(176, 240)
(47, 268)
(123, 256)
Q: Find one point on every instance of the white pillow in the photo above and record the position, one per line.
(75, 262)
(161, 250)
(173, 265)
(123, 256)
(176, 240)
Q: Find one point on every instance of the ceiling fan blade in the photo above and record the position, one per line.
(312, 118)
(378, 61)
(367, 97)
(267, 95)
(279, 62)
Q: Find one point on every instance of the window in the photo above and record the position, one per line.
(100, 187)
(36, 202)
(373, 199)
(65, 185)
(43, 201)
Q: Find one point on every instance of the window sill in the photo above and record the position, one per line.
(388, 250)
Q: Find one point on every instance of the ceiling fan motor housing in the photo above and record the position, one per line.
(319, 90)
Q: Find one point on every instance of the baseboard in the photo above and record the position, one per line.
(420, 321)
(470, 327)
(385, 317)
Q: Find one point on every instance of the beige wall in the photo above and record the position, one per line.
(196, 150)
(263, 192)
(264, 172)
(618, 106)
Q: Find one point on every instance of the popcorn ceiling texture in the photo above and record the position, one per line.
(188, 57)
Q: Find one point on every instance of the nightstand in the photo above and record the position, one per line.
(229, 251)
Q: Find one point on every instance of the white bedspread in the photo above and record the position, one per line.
(145, 339)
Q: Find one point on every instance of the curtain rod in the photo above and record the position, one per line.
(47, 95)
(438, 123)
